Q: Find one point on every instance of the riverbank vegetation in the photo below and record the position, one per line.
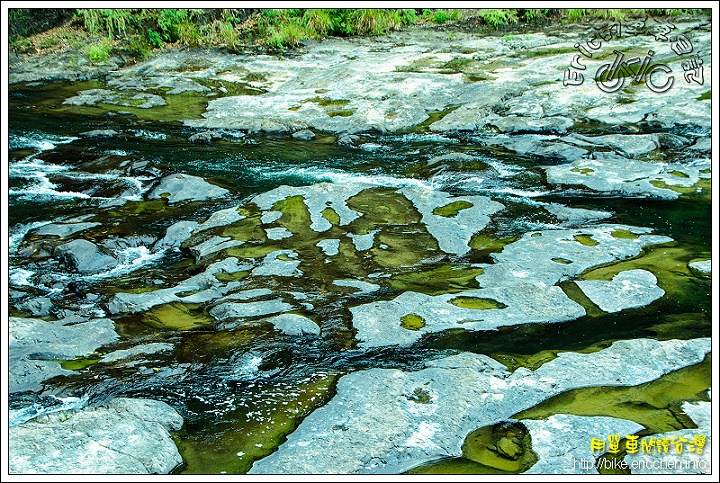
(133, 34)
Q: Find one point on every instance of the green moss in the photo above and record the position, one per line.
(681, 326)
(679, 174)
(137, 207)
(423, 64)
(330, 215)
(700, 190)
(265, 415)
(586, 171)
(561, 260)
(622, 233)
(231, 277)
(455, 65)
(653, 404)
(434, 116)
(403, 246)
(455, 466)
(476, 77)
(705, 96)
(452, 209)
(412, 322)
(440, 280)
(576, 294)
(476, 303)
(488, 244)
(586, 240)
(176, 316)
(381, 207)
(504, 446)
(247, 229)
(420, 396)
(327, 102)
(294, 108)
(340, 112)
(296, 216)
(669, 264)
(78, 363)
(251, 250)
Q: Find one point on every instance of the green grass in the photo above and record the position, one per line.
(99, 53)
(140, 30)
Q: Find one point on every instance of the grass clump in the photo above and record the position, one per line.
(99, 53)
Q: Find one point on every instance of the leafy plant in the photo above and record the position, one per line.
(99, 53)
(498, 16)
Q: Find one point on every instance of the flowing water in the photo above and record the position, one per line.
(241, 389)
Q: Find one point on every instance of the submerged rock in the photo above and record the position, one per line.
(616, 174)
(293, 324)
(124, 436)
(205, 137)
(628, 289)
(703, 268)
(562, 442)
(304, 135)
(63, 230)
(689, 451)
(36, 347)
(464, 392)
(185, 187)
(520, 287)
(85, 257)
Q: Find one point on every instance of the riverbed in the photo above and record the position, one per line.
(305, 247)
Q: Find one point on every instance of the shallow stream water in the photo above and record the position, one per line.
(241, 389)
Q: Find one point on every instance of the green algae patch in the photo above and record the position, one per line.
(139, 207)
(654, 404)
(78, 363)
(399, 246)
(420, 396)
(327, 102)
(622, 233)
(412, 322)
(691, 325)
(331, 215)
(247, 229)
(296, 216)
(679, 174)
(575, 293)
(176, 316)
(586, 240)
(256, 425)
(380, 207)
(705, 96)
(487, 245)
(203, 347)
(251, 250)
(476, 303)
(231, 277)
(564, 261)
(669, 264)
(530, 361)
(585, 171)
(451, 210)
(178, 107)
(440, 280)
(455, 466)
(505, 446)
(340, 112)
(433, 116)
(533, 361)
(700, 190)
